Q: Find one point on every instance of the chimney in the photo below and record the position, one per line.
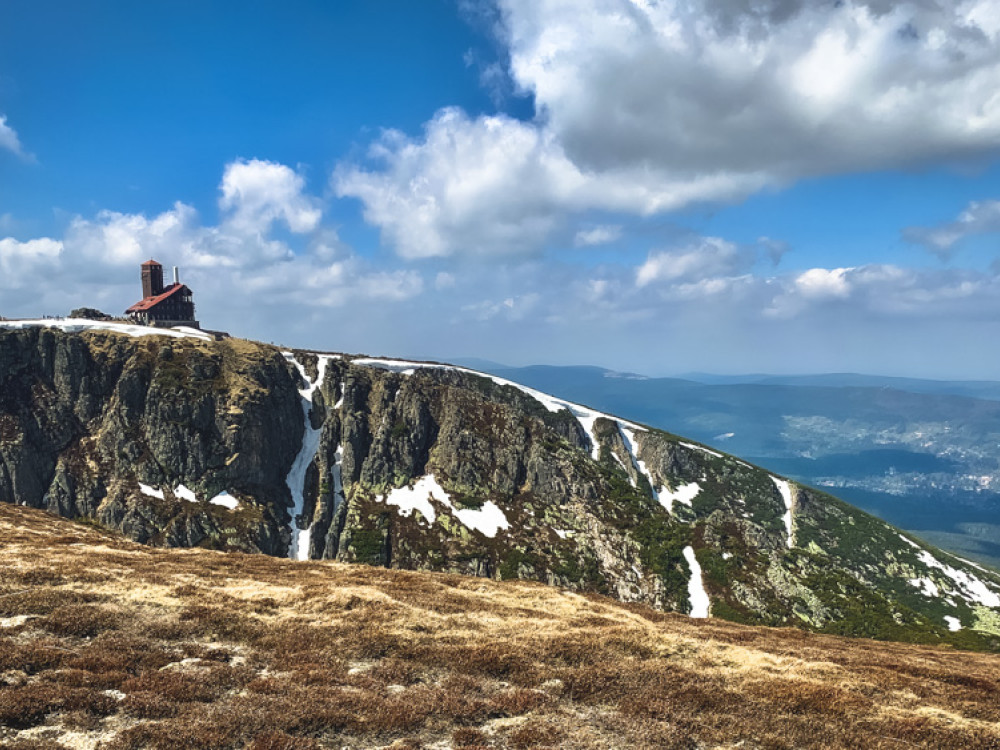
(177, 276)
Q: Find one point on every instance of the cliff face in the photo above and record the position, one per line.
(86, 418)
(234, 445)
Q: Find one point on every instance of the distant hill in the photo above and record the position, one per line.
(986, 389)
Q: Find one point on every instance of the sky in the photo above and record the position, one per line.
(721, 186)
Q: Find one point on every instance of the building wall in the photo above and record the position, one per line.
(152, 281)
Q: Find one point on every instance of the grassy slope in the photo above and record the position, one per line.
(107, 643)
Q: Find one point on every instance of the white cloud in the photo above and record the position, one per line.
(599, 235)
(823, 283)
(472, 186)
(643, 108)
(34, 258)
(253, 196)
(744, 87)
(10, 141)
(709, 257)
(258, 193)
(980, 217)
(495, 185)
(885, 290)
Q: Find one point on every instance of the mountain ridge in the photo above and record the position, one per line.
(236, 445)
(782, 427)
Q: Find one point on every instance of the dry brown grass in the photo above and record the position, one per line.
(107, 644)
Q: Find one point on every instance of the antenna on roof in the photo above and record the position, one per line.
(177, 276)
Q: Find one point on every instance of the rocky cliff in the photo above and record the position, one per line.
(180, 441)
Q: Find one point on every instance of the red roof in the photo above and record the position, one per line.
(150, 302)
(151, 262)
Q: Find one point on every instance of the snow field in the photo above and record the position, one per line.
(77, 325)
(967, 586)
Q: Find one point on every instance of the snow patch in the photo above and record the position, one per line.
(727, 555)
(185, 494)
(696, 588)
(969, 587)
(953, 623)
(145, 489)
(298, 549)
(78, 325)
(587, 422)
(487, 520)
(927, 587)
(192, 332)
(684, 494)
(225, 500)
(417, 497)
(786, 494)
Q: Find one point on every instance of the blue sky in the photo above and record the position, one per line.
(659, 187)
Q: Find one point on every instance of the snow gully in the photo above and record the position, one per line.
(299, 547)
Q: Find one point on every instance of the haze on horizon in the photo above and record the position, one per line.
(715, 186)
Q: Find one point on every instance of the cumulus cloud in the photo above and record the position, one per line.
(10, 141)
(886, 290)
(980, 217)
(471, 186)
(786, 88)
(258, 193)
(823, 283)
(643, 108)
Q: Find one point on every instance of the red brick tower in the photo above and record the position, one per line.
(152, 279)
